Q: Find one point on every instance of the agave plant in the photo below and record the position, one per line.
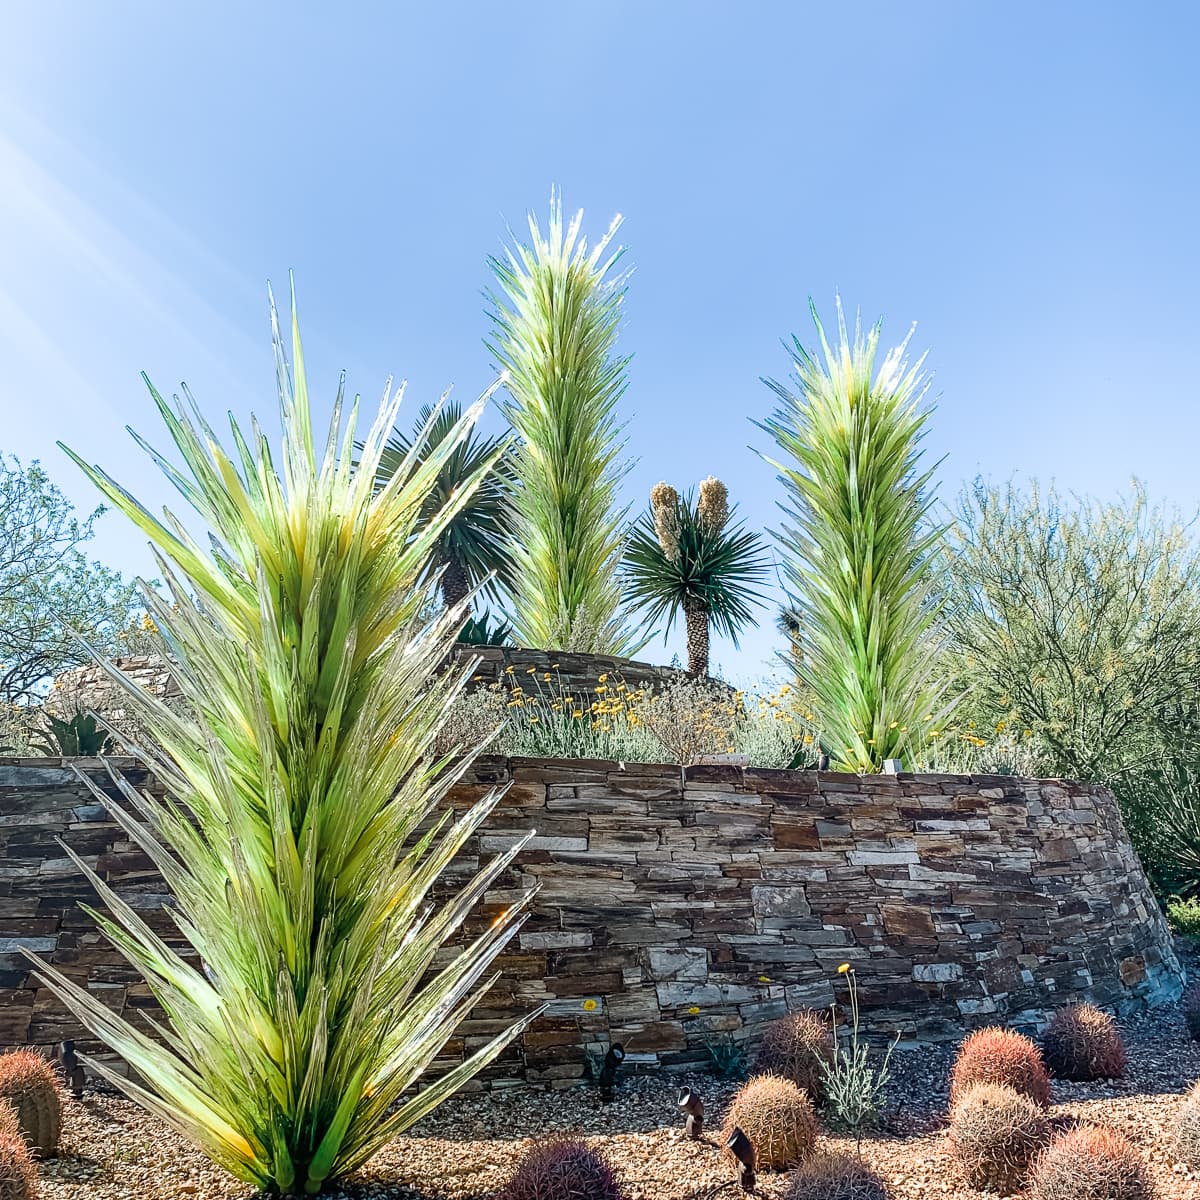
(472, 550)
(555, 324)
(683, 556)
(301, 830)
(856, 553)
(77, 736)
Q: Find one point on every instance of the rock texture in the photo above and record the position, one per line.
(682, 907)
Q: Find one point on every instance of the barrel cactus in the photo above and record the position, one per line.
(798, 1047)
(836, 1175)
(995, 1133)
(562, 1169)
(1187, 1129)
(1090, 1162)
(1082, 1042)
(18, 1180)
(778, 1118)
(28, 1083)
(997, 1055)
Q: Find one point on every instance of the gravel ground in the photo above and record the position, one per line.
(467, 1149)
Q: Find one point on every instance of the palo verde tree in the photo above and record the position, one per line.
(555, 317)
(683, 556)
(52, 599)
(302, 828)
(856, 548)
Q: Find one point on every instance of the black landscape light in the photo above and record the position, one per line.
(608, 1072)
(691, 1104)
(72, 1068)
(742, 1148)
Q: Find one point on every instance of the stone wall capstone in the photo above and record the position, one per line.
(678, 906)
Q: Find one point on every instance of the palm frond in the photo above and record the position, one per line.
(857, 544)
(298, 785)
(555, 318)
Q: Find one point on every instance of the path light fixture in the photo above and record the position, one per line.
(693, 1106)
(893, 766)
(608, 1072)
(742, 1148)
(72, 1068)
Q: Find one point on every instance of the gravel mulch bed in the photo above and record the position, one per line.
(466, 1150)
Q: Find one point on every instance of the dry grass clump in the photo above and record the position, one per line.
(562, 1169)
(995, 1133)
(1082, 1042)
(1090, 1163)
(1187, 1132)
(997, 1055)
(798, 1047)
(29, 1084)
(779, 1120)
(835, 1175)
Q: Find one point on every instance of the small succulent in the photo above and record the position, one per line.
(28, 1083)
(836, 1175)
(562, 1169)
(799, 1047)
(779, 1120)
(995, 1133)
(1082, 1042)
(79, 737)
(1090, 1162)
(997, 1055)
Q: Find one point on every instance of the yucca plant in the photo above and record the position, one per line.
(555, 318)
(293, 833)
(472, 550)
(857, 548)
(683, 556)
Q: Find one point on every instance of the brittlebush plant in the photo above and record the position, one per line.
(293, 832)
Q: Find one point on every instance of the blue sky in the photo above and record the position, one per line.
(1020, 179)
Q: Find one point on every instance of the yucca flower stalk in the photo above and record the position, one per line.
(683, 556)
(555, 319)
(856, 553)
(293, 834)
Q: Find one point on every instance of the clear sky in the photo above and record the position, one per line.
(1021, 179)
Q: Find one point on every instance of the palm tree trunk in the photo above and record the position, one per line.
(696, 616)
(455, 583)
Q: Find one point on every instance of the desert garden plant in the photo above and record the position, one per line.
(995, 1133)
(857, 546)
(475, 482)
(854, 1083)
(777, 1117)
(1187, 1128)
(1089, 1162)
(835, 1175)
(995, 1055)
(1082, 1042)
(555, 318)
(30, 1087)
(79, 736)
(18, 1176)
(799, 1047)
(562, 1169)
(301, 829)
(685, 557)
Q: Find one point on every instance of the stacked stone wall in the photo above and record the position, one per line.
(677, 907)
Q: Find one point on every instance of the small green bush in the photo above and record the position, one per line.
(1184, 916)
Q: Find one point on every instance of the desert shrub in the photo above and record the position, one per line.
(779, 1120)
(1082, 1042)
(997, 1055)
(1187, 1129)
(1184, 916)
(995, 1133)
(474, 720)
(691, 717)
(835, 1175)
(18, 1178)
(28, 1083)
(1191, 1010)
(562, 1169)
(853, 1082)
(800, 1048)
(1090, 1163)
